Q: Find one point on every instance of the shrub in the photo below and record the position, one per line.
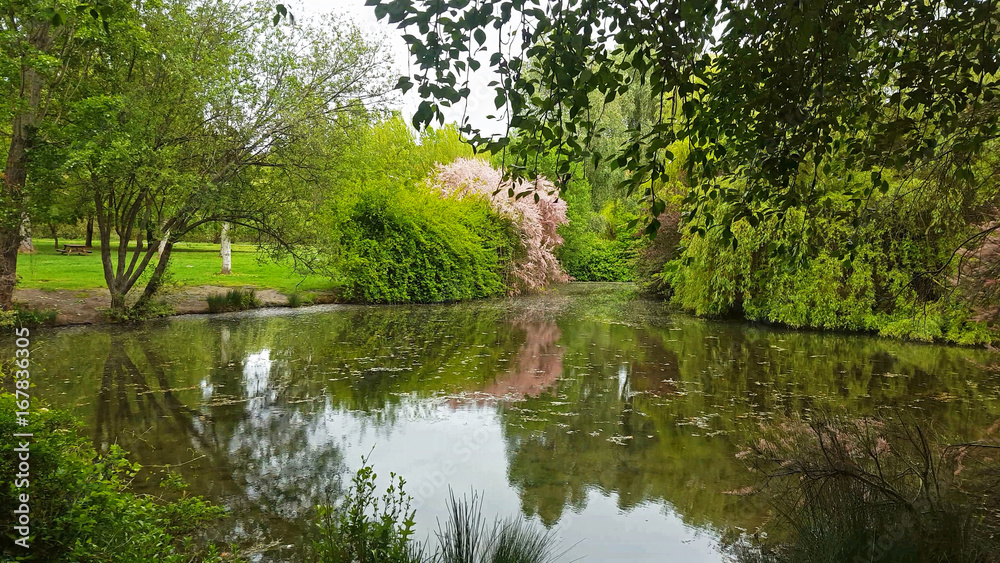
(151, 310)
(410, 245)
(534, 209)
(599, 246)
(233, 300)
(296, 299)
(363, 529)
(770, 276)
(81, 509)
(21, 316)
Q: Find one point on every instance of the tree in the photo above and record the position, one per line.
(535, 212)
(40, 55)
(193, 114)
(226, 250)
(787, 89)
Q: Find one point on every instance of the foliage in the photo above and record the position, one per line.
(761, 279)
(298, 299)
(383, 237)
(786, 88)
(81, 508)
(403, 243)
(363, 530)
(198, 115)
(880, 489)
(533, 209)
(233, 300)
(21, 316)
(598, 246)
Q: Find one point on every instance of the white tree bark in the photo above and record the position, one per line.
(163, 244)
(27, 246)
(226, 250)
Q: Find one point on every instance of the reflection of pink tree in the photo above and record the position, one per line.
(537, 366)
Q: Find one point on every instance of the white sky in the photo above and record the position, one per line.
(480, 103)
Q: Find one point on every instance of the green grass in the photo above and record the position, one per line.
(190, 264)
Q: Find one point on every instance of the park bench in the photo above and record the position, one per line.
(68, 249)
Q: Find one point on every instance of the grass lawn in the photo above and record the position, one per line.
(190, 264)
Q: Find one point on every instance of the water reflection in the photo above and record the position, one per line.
(603, 415)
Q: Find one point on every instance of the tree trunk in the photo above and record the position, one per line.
(90, 233)
(163, 245)
(157, 278)
(117, 302)
(226, 250)
(8, 267)
(15, 170)
(55, 234)
(26, 246)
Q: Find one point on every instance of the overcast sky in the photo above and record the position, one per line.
(480, 102)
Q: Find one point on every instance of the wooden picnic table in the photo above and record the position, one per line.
(68, 249)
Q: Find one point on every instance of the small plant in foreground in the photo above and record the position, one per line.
(465, 537)
(83, 508)
(362, 529)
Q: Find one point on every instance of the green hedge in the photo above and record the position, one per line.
(792, 273)
(410, 245)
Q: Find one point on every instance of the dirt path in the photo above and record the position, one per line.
(88, 306)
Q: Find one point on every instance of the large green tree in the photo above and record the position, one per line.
(764, 94)
(194, 113)
(44, 48)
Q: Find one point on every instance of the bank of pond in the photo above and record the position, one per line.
(592, 423)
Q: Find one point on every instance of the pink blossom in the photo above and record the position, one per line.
(536, 221)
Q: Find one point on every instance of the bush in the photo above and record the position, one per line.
(151, 310)
(233, 300)
(409, 245)
(81, 509)
(361, 529)
(21, 316)
(770, 275)
(534, 210)
(296, 299)
(599, 246)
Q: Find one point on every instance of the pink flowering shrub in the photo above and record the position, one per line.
(536, 221)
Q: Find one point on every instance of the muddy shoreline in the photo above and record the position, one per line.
(88, 306)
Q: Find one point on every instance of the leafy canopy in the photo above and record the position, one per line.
(763, 93)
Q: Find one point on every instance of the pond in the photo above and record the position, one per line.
(608, 418)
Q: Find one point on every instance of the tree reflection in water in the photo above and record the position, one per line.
(587, 393)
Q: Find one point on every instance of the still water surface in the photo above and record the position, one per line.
(608, 418)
